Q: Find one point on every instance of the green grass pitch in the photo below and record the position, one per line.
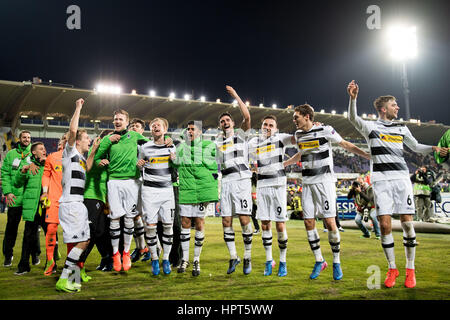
(357, 255)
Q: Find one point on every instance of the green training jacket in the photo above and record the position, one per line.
(32, 187)
(11, 164)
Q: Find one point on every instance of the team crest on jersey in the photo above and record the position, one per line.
(308, 144)
(58, 168)
(390, 138)
(265, 149)
(128, 136)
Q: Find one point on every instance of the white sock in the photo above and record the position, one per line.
(114, 231)
(150, 237)
(247, 235)
(409, 242)
(228, 236)
(199, 238)
(282, 244)
(334, 238)
(314, 243)
(128, 231)
(387, 243)
(139, 237)
(71, 262)
(167, 240)
(185, 237)
(267, 243)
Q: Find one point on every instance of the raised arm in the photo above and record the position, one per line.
(352, 115)
(415, 146)
(246, 122)
(73, 127)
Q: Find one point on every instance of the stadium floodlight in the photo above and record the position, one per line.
(187, 97)
(172, 96)
(152, 93)
(133, 92)
(322, 110)
(218, 100)
(247, 103)
(364, 115)
(402, 42)
(261, 105)
(333, 111)
(24, 116)
(202, 99)
(50, 118)
(109, 89)
(345, 114)
(234, 102)
(274, 106)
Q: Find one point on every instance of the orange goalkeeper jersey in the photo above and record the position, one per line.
(52, 179)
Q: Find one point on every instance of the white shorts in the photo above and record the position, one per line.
(394, 196)
(158, 204)
(319, 200)
(272, 203)
(73, 217)
(123, 198)
(197, 210)
(236, 198)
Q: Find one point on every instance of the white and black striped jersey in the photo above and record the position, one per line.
(157, 172)
(74, 175)
(317, 155)
(385, 140)
(269, 155)
(232, 155)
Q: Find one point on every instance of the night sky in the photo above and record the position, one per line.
(283, 52)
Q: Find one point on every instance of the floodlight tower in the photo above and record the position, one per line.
(403, 46)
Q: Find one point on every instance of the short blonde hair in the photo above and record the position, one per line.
(121, 111)
(380, 102)
(163, 120)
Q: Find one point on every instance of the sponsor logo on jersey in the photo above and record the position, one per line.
(265, 149)
(225, 146)
(308, 144)
(159, 159)
(390, 138)
(83, 164)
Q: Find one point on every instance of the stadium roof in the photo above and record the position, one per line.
(26, 98)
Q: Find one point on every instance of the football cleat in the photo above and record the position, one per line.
(268, 268)
(155, 267)
(182, 268)
(66, 286)
(196, 268)
(166, 267)
(282, 270)
(318, 267)
(410, 280)
(117, 263)
(391, 275)
(126, 261)
(337, 271)
(247, 266)
(233, 264)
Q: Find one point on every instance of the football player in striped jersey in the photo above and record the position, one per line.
(318, 179)
(392, 187)
(268, 150)
(157, 195)
(236, 185)
(73, 215)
